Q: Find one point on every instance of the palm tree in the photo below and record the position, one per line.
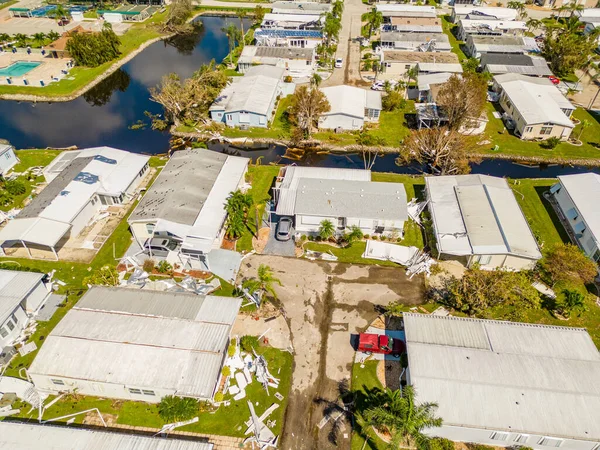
(331, 27)
(238, 203)
(520, 7)
(355, 234)
(316, 80)
(242, 14)
(4, 37)
(326, 229)
(574, 300)
(21, 39)
(338, 8)
(60, 13)
(231, 32)
(533, 24)
(264, 282)
(374, 19)
(398, 413)
(585, 124)
(235, 226)
(53, 35)
(39, 38)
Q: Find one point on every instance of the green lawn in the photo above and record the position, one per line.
(511, 145)
(29, 158)
(364, 380)
(261, 178)
(278, 129)
(226, 420)
(8, 4)
(80, 76)
(448, 26)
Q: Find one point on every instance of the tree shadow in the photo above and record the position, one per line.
(564, 236)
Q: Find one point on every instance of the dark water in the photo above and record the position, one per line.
(277, 154)
(104, 114)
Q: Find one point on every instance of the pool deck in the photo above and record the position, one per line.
(50, 67)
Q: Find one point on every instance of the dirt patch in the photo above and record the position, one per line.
(260, 243)
(93, 418)
(228, 244)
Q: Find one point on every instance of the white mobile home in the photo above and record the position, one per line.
(135, 344)
(346, 197)
(350, 107)
(506, 384)
(297, 62)
(476, 219)
(21, 295)
(490, 28)
(577, 198)
(82, 183)
(8, 158)
(415, 42)
(483, 13)
(186, 202)
(478, 45)
(27, 436)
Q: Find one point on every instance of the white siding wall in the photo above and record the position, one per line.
(98, 389)
(136, 181)
(341, 120)
(84, 217)
(35, 298)
(14, 333)
(509, 262)
(140, 231)
(482, 436)
(566, 204)
(7, 161)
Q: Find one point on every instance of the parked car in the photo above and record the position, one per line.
(554, 80)
(284, 229)
(338, 63)
(380, 85)
(63, 22)
(160, 246)
(380, 343)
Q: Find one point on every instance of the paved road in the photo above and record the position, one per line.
(325, 303)
(347, 50)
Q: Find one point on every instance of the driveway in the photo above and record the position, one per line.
(325, 303)
(279, 248)
(348, 50)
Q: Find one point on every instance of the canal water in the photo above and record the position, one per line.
(104, 115)
(109, 114)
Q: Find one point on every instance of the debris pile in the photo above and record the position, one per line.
(141, 279)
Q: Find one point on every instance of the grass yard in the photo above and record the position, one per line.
(511, 145)
(448, 26)
(81, 76)
(29, 158)
(364, 380)
(228, 421)
(261, 178)
(278, 129)
(8, 4)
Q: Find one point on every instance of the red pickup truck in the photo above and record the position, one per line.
(380, 343)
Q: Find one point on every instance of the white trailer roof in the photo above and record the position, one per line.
(478, 215)
(584, 190)
(519, 378)
(108, 337)
(35, 230)
(14, 287)
(21, 436)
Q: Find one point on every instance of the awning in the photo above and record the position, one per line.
(35, 230)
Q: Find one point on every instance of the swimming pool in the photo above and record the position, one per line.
(18, 69)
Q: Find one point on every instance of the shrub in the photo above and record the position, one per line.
(551, 143)
(231, 348)
(175, 409)
(148, 265)
(15, 187)
(248, 343)
(303, 238)
(219, 397)
(374, 237)
(311, 238)
(366, 236)
(226, 371)
(383, 237)
(287, 79)
(164, 267)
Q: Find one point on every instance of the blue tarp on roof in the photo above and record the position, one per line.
(289, 33)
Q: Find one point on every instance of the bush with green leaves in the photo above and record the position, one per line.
(175, 409)
(248, 343)
(164, 267)
(226, 371)
(326, 229)
(94, 49)
(15, 187)
(148, 265)
(219, 397)
(551, 143)
(232, 347)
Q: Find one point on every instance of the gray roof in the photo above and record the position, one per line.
(279, 52)
(496, 63)
(355, 199)
(127, 336)
(14, 287)
(180, 191)
(27, 436)
(478, 215)
(54, 188)
(499, 44)
(519, 378)
(397, 36)
(584, 190)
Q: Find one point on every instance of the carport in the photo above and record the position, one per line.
(34, 231)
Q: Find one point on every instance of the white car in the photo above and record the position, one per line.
(338, 63)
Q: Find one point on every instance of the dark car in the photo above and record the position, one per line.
(380, 343)
(284, 229)
(63, 22)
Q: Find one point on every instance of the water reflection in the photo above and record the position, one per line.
(101, 94)
(103, 116)
(185, 44)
